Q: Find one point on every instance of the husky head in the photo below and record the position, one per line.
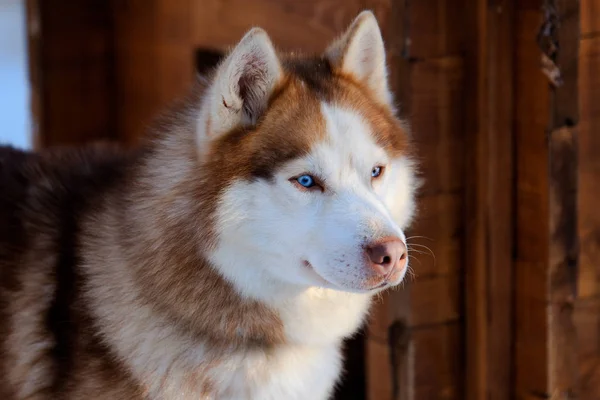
(313, 168)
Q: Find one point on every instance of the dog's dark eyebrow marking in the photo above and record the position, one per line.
(264, 165)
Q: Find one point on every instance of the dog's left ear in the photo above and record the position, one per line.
(360, 53)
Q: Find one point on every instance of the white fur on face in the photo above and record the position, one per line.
(272, 229)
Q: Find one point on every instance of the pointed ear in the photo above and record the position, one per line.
(360, 52)
(243, 83)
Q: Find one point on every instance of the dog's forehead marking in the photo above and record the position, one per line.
(348, 148)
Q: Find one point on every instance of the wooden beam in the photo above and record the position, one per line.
(587, 311)
(547, 116)
(532, 113)
(590, 18)
(294, 25)
(71, 71)
(489, 201)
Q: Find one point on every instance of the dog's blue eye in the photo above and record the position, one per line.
(375, 172)
(306, 180)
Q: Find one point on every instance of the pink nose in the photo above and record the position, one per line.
(386, 255)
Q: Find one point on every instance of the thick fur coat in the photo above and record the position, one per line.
(228, 256)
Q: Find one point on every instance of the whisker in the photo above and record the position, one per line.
(414, 258)
(412, 274)
(417, 251)
(419, 237)
(423, 247)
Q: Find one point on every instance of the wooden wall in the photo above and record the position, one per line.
(503, 99)
(586, 314)
(415, 346)
(71, 71)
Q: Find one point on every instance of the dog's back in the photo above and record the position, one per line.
(42, 197)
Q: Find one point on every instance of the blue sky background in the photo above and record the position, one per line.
(14, 86)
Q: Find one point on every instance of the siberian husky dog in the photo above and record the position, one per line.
(228, 256)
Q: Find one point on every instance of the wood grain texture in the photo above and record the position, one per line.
(590, 17)
(532, 114)
(154, 60)
(71, 70)
(437, 119)
(489, 201)
(436, 28)
(294, 25)
(437, 374)
(587, 313)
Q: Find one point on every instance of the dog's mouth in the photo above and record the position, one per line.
(314, 272)
(329, 284)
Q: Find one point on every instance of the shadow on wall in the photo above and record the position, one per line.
(14, 86)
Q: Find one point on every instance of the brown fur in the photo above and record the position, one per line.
(74, 219)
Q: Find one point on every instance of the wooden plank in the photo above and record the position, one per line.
(423, 29)
(379, 371)
(154, 60)
(587, 314)
(489, 226)
(437, 374)
(560, 45)
(587, 320)
(589, 168)
(531, 355)
(435, 28)
(532, 114)
(434, 301)
(71, 71)
(431, 301)
(436, 118)
(220, 24)
(562, 263)
(565, 103)
(499, 200)
(590, 17)
(546, 335)
(426, 366)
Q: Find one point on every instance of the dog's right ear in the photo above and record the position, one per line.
(242, 86)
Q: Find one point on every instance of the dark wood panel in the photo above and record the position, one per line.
(562, 258)
(590, 17)
(436, 28)
(437, 110)
(426, 364)
(438, 373)
(489, 200)
(72, 71)
(532, 115)
(294, 25)
(154, 59)
(588, 304)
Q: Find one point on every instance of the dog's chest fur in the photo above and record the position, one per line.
(75, 322)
